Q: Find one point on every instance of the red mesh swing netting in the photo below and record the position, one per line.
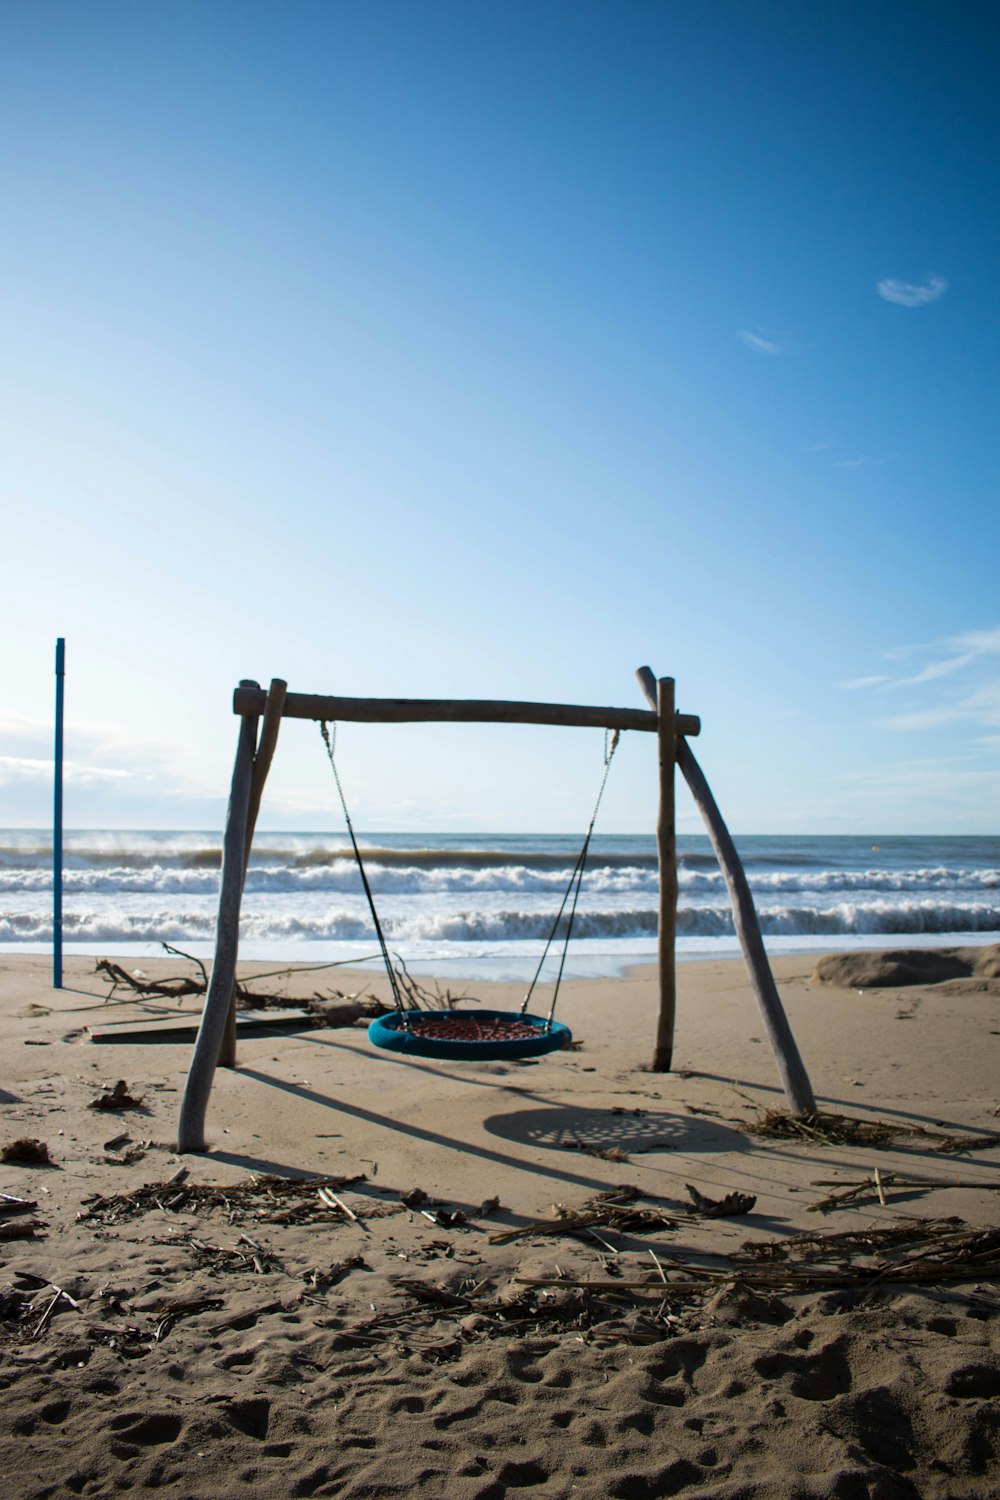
(471, 1028)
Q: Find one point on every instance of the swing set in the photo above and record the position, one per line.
(483, 1034)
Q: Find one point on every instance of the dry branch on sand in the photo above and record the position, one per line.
(921, 1253)
(827, 1129)
(611, 1210)
(335, 1008)
(267, 1199)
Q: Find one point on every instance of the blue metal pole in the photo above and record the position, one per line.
(57, 823)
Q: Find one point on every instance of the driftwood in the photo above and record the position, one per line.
(332, 1009)
(930, 1253)
(211, 1032)
(171, 987)
(249, 699)
(266, 1199)
(612, 1210)
(880, 1184)
(822, 1128)
(798, 1089)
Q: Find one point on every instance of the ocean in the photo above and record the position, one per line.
(481, 905)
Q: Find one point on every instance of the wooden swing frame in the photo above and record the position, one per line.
(216, 1041)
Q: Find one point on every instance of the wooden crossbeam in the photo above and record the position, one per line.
(457, 710)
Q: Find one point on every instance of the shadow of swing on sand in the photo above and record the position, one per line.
(577, 1127)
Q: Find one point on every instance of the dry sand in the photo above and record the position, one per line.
(253, 1341)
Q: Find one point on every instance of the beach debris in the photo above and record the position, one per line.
(10, 1206)
(419, 997)
(50, 1308)
(414, 1198)
(26, 1152)
(444, 1218)
(611, 1210)
(331, 1199)
(29, 1280)
(426, 1291)
(172, 1308)
(121, 1150)
(170, 987)
(116, 1098)
(731, 1206)
(255, 1257)
(606, 1153)
(923, 1252)
(131, 1154)
(19, 1229)
(267, 1199)
(823, 1128)
(332, 1009)
(340, 1268)
(15, 1305)
(879, 1184)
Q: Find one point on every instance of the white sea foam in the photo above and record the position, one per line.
(407, 879)
(465, 900)
(464, 926)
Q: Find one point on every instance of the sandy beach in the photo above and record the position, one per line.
(393, 1276)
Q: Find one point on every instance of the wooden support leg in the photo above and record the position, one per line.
(261, 765)
(666, 848)
(194, 1104)
(798, 1089)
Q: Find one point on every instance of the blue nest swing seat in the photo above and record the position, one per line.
(482, 1035)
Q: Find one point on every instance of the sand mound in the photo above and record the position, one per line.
(903, 966)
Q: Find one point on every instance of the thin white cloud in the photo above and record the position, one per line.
(911, 293)
(959, 686)
(102, 756)
(925, 718)
(938, 669)
(979, 707)
(984, 641)
(18, 768)
(759, 343)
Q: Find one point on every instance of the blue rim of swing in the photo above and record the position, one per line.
(424, 1033)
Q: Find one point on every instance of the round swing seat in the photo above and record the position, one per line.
(483, 1034)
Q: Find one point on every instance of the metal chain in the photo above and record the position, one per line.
(330, 741)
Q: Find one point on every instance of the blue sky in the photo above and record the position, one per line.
(495, 349)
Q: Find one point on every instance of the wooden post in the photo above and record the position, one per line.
(798, 1089)
(261, 766)
(666, 849)
(194, 1104)
(273, 712)
(57, 821)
